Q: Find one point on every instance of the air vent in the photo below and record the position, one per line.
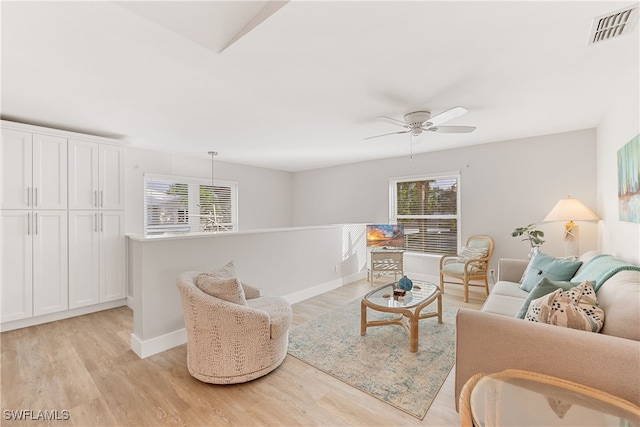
(613, 25)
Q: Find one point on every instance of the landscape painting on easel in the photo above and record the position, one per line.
(629, 181)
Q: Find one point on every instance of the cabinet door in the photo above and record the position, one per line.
(49, 172)
(111, 180)
(16, 154)
(84, 262)
(112, 256)
(50, 277)
(16, 288)
(83, 175)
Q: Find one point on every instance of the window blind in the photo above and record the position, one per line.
(428, 207)
(183, 205)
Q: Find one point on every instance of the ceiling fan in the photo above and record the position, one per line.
(421, 121)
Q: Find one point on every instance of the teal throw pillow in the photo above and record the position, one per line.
(545, 266)
(542, 288)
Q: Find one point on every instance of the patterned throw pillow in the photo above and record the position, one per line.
(465, 253)
(544, 287)
(576, 308)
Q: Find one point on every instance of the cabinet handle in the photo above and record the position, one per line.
(28, 223)
(35, 223)
(101, 198)
(101, 222)
(35, 197)
(29, 196)
(95, 223)
(95, 198)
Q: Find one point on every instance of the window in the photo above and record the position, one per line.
(428, 207)
(183, 205)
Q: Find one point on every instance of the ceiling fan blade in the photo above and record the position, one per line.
(447, 115)
(452, 129)
(386, 134)
(393, 121)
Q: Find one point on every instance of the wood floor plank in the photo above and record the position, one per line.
(93, 413)
(85, 365)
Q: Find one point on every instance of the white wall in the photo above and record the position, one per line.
(621, 123)
(504, 185)
(264, 195)
(270, 260)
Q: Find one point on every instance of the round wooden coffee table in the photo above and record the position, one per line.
(523, 398)
(408, 306)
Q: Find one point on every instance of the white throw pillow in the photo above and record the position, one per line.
(465, 253)
(227, 289)
(228, 271)
(223, 283)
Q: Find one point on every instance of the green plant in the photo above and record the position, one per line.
(531, 234)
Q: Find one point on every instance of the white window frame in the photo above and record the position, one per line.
(393, 204)
(193, 225)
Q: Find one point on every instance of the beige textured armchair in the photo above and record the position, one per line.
(229, 343)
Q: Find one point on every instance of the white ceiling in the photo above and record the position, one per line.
(303, 87)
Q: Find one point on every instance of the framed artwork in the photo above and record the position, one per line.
(629, 181)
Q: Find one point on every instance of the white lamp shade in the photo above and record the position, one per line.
(570, 209)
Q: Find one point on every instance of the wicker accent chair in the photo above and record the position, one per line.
(229, 343)
(464, 271)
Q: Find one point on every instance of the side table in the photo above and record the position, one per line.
(386, 261)
(522, 398)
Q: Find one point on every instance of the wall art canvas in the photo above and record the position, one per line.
(629, 181)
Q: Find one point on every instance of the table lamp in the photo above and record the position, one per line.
(571, 209)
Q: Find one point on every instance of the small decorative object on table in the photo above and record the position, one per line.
(405, 283)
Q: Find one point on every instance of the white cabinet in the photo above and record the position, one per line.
(84, 261)
(113, 284)
(62, 242)
(96, 176)
(50, 277)
(96, 223)
(34, 171)
(17, 261)
(111, 177)
(34, 263)
(96, 257)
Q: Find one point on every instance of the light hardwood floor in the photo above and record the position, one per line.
(85, 365)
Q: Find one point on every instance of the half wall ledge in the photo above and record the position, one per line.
(295, 263)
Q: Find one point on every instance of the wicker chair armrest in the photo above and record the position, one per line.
(477, 262)
(448, 258)
(476, 266)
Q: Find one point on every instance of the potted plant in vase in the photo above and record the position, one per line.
(531, 234)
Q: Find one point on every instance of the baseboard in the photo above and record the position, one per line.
(323, 287)
(130, 302)
(158, 344)
(52, 317)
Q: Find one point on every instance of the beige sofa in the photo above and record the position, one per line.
(492, 340)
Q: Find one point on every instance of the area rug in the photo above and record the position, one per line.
(380, 362)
